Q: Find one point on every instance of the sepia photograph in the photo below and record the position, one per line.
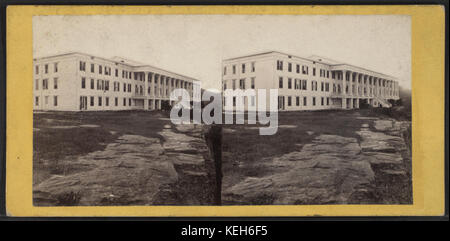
(221, 110)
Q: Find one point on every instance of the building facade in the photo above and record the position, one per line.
(312, 83)
(81, 82)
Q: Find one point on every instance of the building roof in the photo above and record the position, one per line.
(115, 59)
(313, 59)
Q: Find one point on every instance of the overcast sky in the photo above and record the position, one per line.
(194, 45)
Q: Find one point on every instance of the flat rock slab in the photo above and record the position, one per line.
(379, 142)
(129, 171)
(287, 126)
(325, 171)
(383, 125)
(366, 118)
(63, 127)
(89, 126)
(182, 143)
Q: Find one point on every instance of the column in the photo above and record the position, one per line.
(145, 90)
(161, 86)
(350, 81)
(156, 86)
(344, 84)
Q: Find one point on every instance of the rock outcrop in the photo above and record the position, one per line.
(135, 170)
(332, 169)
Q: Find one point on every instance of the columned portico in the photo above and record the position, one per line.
(365, 88)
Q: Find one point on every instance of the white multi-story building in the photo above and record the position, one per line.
(312, 83)
(82, 82)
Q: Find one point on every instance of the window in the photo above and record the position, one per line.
(253, 66)
(55, 83)
(328, 101)
(304, 101)
(129, 102)
(55, 67)
(83, 83)
(129, 88)
(37, 69)
(234, 69)
(279, 65)
(100, 69)
(314, 85)
(314, 101)
(55, 100)
(124, 101)
(92, 68)
(99, 86)
(117, 73)
(106, 101)
(289, 101)
(225, 70)
(99, 101)
(243, 68)
(314, 71)
(298, 68)
(116, 101)
(234, 84)
(322, 86)
(92, 100)
(124, 87)
(290, 67)
(92, 84)
(45, 84)
(304, 84)
(253, 83)
(36, 100)
(304, 69)
(46, 68)
(107, 85)
(297, 101)
(280, 82)
(37, 84)
(242, 84)
(82, 66)
(322, 101)
(289, 83)
(298, 85)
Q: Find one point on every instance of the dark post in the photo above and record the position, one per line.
(213, 137)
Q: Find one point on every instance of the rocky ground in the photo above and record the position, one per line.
(171, 169)
(368, 163)
(140, 158)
